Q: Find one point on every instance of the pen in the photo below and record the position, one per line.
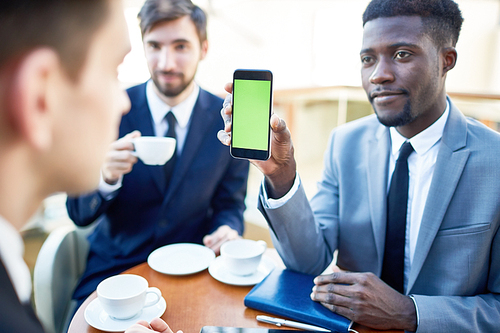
(282, 322)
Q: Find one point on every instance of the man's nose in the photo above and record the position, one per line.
(166, 61)
(382, 72)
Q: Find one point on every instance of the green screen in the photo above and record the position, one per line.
(251, 102)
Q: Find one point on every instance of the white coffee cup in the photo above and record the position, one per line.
(242, 256)
(123, 296)
(154, 150)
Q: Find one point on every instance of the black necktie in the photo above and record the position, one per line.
(397, 202)
(169, 166)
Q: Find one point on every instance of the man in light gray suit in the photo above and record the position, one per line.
(449, 275)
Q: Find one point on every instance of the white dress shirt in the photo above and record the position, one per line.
(159, 110)
(421, 165)
(11, 253)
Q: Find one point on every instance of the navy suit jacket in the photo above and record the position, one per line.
(207, 190)
(14, 316)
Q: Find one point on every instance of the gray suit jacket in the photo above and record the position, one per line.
(455, 275)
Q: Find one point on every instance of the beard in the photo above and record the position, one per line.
(402, 118)
(170, 89)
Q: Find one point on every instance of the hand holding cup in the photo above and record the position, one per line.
(153, 150)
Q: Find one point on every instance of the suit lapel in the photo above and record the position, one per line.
(140, 118)
(378, 161)
(19, 315)
(201, 120)
(450, 164)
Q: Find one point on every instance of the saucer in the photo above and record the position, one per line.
(220, 273)
(96, 317)
(181, 258)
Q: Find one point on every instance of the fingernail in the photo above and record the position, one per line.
(314, 289)
(313, 296)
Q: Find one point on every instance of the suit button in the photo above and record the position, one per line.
(162, 223)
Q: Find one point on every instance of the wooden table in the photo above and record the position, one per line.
(196, 300)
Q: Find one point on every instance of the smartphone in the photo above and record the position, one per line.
(252, 109)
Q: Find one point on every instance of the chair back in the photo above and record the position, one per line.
(59, 265)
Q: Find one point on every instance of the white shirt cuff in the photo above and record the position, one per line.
(416, 309)
(277, 203)
(108, 190)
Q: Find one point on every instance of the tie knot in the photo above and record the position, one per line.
(405, 151)
(170, 118)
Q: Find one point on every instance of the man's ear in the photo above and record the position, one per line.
(28, 102)
(449, 59)
(204, 49)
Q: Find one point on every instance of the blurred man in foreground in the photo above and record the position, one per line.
(60, 106)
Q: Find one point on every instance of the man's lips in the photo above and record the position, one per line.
(168, 76)
(385, 93)
(386, 96)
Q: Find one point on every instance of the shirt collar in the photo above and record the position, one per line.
(181, 111)
(424, 140)
(11, 254)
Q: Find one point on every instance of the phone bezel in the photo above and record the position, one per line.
(255, 75)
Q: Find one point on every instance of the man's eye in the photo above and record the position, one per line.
(366, 60)
(154, 46)
(401, 55)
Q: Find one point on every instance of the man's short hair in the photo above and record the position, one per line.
(442, 19)
(156, 11)
(67, 26)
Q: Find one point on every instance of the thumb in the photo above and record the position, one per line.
(158, 325)
(228, 87)
(133, 134)
(281, 132)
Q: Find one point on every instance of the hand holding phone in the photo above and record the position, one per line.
(280, 168)
(252, 109)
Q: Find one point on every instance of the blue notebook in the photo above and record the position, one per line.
(286, 294)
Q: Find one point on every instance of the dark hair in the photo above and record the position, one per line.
(442, 19)
(67, 26)
(155, 11)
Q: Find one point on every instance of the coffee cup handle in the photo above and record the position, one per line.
(262, 243)
(155, 291)
(134, 152)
